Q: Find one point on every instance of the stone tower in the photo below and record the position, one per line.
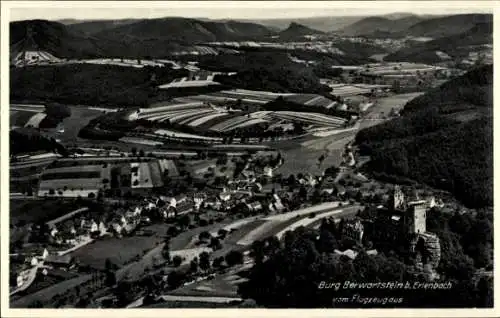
(416, 215)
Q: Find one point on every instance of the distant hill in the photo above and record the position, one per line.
(381, 24)
(186, 31)
(325, 24)
(455, 46)
(153, 38)
(95, 26)
(444, 138)
(449, 25)
(297, 31)
(52, 37)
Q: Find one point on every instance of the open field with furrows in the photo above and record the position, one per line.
(316, 119)
(346, 90)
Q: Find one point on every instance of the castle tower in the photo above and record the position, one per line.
(416, 215)
(398, 199)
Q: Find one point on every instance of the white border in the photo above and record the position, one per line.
(399, 6)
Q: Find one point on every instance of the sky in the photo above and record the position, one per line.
(231, 9)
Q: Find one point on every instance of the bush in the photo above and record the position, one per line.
(222, 233)
(204, 236)
(177, 261)
(234, 258)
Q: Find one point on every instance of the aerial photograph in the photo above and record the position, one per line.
(230, 158)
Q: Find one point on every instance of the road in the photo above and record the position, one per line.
(31, 278)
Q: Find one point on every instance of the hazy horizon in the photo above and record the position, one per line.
(235, 10)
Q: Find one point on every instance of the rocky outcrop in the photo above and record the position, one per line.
(427, 249)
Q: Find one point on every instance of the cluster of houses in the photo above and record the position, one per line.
(317, 46)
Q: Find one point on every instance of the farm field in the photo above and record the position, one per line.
(197, 81)
(225, 285)
(197, 110)
(68, 181)
(311, 220)
(48, 293)
(119, 250)
(170, 166)
(140, 141)
(331, 143)
(383, 107)
(25, 118)
(80, 116)
(277, 223)
(35, 211)
(27, 169)
(345, 90)
(385, 104)
(304, 155)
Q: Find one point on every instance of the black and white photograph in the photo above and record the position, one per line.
(247, 155)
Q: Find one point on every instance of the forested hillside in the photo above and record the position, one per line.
(265, 71)
(456, 46)
(429, 144)
(89, 84)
